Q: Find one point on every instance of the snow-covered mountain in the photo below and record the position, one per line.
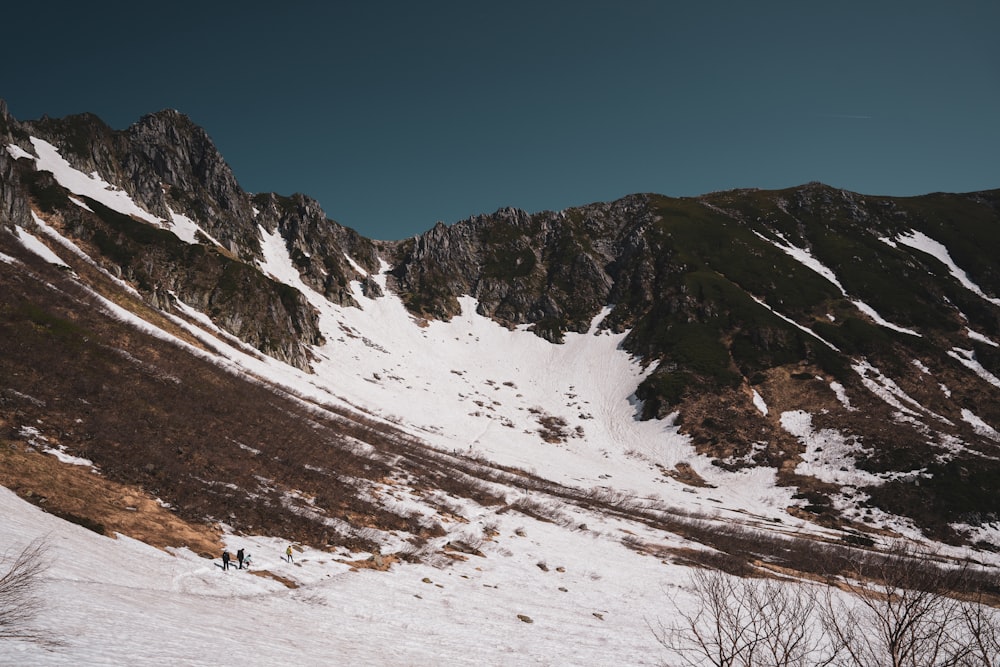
(532, 404)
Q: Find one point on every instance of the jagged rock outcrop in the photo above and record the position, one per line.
(318, 246)
(14, 209)
(553, 270)
(699, 281)
(780, 294)
(168, 165)
(171, 163)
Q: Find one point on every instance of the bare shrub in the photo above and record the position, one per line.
(982, 623)
(904, 608)
(744, 623)
(634, 543)
(490, 527)
(613, 499)
(552, 429)
(543, 510)
(904, 612)
(713, 559)
(20, 598)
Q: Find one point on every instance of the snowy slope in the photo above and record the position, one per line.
(117, 601)
(471, 385)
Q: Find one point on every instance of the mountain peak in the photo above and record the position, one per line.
(168, 119)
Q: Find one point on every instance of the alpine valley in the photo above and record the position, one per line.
(507, 440)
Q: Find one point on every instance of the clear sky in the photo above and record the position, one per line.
(397, 114)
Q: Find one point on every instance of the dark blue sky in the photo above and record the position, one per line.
(395, 115)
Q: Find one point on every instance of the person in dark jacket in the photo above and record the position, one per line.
(225, 560)
(239, 558)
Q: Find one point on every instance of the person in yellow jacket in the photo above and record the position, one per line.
(288, 553)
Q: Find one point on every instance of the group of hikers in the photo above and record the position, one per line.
(243, 559)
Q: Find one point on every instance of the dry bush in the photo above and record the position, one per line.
(543, 510)
(982, 624)
(747, 544)
(618, 500)
(904, 609)
(467, 541)
(743, 623)
(552, 429)
(413, 551)
(490, 527)
(20, 597)
(711, 559)
(905, 612)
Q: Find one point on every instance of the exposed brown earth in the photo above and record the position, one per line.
(78, 494)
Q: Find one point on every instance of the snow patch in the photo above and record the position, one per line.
(35, 439)
(968, 359)
(759, 403)
(981, 338)
(830, 454)
(60, 453)
(187, 229)
(81, 204)
(357, 267)
(33, 244)
(804, 257)
(922, 242)
(276, 262)
(981, 427)
(797, 325)
(890, 392)
(17, 152)
(841, 394)
(92, 186)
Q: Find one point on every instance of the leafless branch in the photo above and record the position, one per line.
(20, 600)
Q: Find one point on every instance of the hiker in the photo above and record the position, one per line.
(225, 560)
(246, 561)
(239, 558)
(288, 553)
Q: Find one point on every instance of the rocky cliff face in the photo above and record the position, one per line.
(14, 209)
(318, 246)
(687, 275)
(165, 163)
(779, 295)
(169, 166)
(552, 270)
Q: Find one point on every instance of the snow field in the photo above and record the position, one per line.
(584, 600)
